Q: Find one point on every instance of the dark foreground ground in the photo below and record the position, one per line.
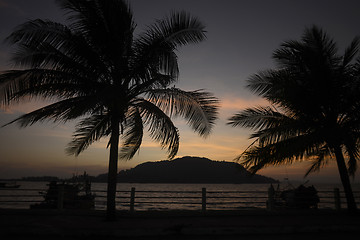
(254, 224)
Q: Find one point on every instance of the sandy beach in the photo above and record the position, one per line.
(252, 224)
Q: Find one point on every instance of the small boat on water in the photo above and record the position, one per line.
(301, 197)
(9, 185)
(72, 195)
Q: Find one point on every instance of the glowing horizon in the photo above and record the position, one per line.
(224, 144)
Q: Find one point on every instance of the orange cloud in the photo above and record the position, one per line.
(236, 103)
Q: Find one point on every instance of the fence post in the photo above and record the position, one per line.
(203, 203)
(60, 200)
(270, 204)
(337, 199)
(132, 199)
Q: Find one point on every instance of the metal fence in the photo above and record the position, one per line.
(203, 200)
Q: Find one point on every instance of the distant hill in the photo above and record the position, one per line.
(188, 170)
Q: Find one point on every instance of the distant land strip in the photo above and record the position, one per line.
(180, 170)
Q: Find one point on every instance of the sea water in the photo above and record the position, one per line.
(163, 196)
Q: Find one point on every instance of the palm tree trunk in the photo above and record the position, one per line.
(112, 171)
(344, 176)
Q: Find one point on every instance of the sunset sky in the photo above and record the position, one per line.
(241, 38)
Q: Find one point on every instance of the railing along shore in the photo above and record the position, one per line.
(203, 200)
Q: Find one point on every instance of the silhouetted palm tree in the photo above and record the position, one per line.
(315, 108)
(95, 67)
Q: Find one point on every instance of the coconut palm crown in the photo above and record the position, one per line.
(96, 68)
(314, 108)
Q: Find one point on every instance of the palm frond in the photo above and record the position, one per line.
(48, 45)
(161, 127)
(60, 111)
(321, 160)
(156, 80)
(271, 125)
(107, 25)
(352, 149)
(40, 42)
(89, 130)
(155, 48)
(356, 66)
(260, 83)
(315, 52)
(179, 29)
(258, 118)
(281, 152)
(132, 137)
(352, 164)
(351, 51)
(276, 86)
(43, 83)
(289, 54)
(199, 108)
(35, 31)
(11, 82)
(320, 46)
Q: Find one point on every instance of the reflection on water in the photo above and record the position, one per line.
(171, 196)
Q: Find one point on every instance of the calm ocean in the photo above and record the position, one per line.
(173, 196)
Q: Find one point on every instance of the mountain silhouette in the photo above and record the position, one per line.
(189, 170)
